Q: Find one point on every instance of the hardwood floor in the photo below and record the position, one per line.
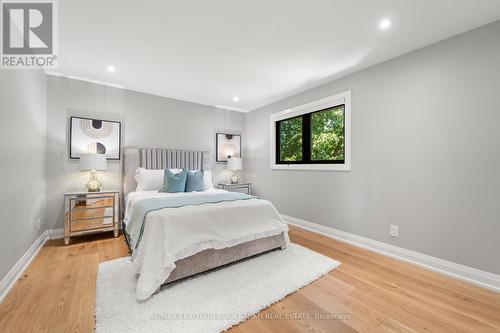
(373, 293)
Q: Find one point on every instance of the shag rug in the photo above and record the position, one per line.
(210, 302)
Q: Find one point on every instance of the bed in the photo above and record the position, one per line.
(176, 235)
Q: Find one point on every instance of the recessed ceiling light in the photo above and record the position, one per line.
(385, 24)
(236, 98)
(111, 68)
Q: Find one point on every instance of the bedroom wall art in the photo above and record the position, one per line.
(227, 145)
(94, 136)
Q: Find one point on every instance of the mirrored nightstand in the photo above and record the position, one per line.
(91, 212)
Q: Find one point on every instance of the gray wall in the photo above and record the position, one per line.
(147, 121)
(425, 153)
(23, 117)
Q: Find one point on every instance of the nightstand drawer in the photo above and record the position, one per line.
(95, 201)
(243, 189)
(240, 187)
(90, 224)
(87, 213)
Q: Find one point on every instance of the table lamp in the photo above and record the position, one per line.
(93, 163)
(235, 165)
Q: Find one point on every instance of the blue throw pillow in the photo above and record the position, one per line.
(194, 181)
(174, 182)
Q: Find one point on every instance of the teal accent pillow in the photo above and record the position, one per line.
(194, 181)
(174, 182)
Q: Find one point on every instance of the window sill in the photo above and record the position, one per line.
(312, 167)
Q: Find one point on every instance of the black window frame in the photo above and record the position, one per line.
(307, 139)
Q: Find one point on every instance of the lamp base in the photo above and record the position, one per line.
(93, 185)
(234, 179)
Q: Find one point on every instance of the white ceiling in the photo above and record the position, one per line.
(259, 50)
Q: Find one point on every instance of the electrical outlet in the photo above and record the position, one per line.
(394, 230)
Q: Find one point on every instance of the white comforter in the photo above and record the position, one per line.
(171, 234)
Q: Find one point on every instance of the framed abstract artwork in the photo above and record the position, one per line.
(94, 136)
(227, 145)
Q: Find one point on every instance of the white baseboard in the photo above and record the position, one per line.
(462, 272)
(56, 233)
(13, 275)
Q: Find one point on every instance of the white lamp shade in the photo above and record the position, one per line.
(234, 164)
(93, 162)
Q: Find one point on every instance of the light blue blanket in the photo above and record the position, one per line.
(135, 223)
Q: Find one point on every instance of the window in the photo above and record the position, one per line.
(314, 136)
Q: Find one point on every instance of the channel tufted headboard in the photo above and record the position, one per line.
(149, 158)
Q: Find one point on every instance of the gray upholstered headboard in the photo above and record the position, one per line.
(148, 158)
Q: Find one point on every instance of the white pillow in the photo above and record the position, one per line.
(207, 179)
(150, 180)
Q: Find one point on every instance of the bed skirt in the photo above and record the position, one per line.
(212, 258)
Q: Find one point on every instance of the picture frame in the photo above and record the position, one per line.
(227, 144)
(89, 135)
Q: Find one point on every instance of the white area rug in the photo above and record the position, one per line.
(210, 302)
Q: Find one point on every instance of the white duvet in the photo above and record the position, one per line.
(171, 234)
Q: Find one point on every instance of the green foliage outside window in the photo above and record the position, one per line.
(327, 135)
(291, 139)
